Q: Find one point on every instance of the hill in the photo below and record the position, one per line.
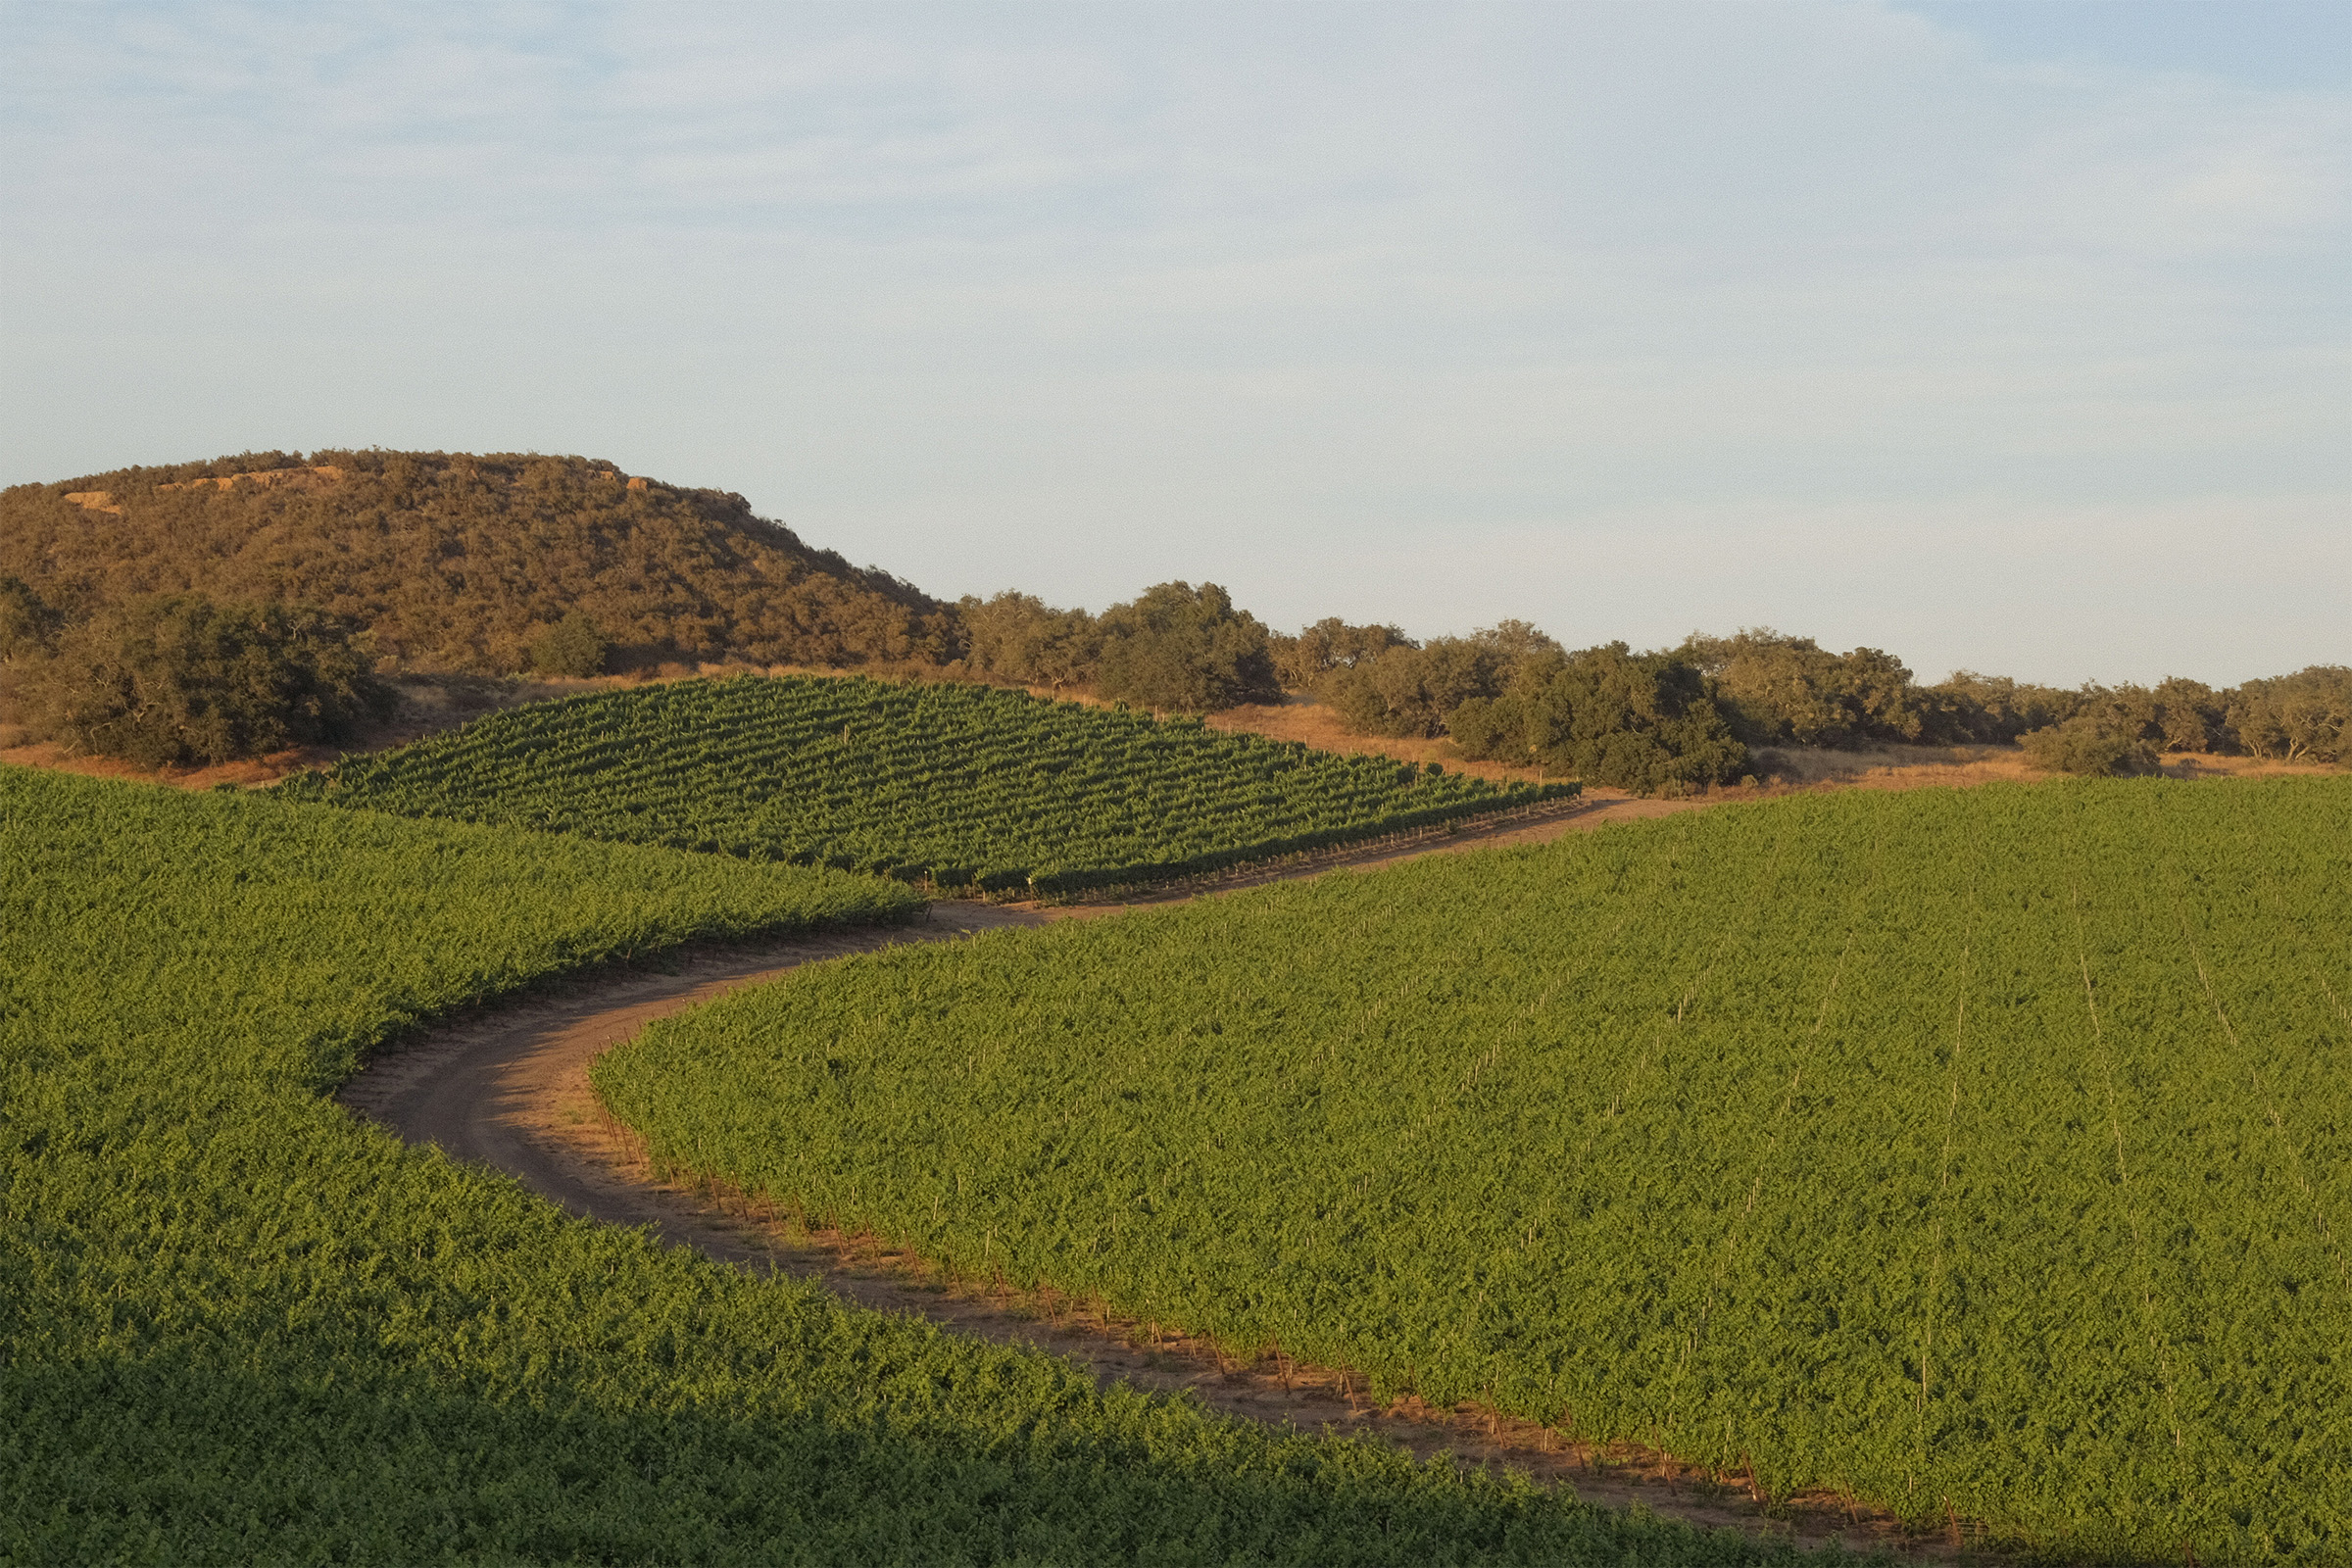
(458, 563)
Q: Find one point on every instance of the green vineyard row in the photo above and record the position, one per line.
(239, 1326)
(958, 786)
(1979, 1152)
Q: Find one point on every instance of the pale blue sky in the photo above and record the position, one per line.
(2003, 336)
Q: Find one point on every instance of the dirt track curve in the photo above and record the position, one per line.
(508, 1086)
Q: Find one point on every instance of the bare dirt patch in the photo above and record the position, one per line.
(324, 475)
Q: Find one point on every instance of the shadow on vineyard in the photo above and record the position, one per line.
(181, 1458)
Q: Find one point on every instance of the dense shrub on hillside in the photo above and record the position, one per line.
(1412, 689)
(570, 647)
(179, 679)
(1970, 709)
(2303, 717)
(2175, 715)
(2090, 743)
(1778, 690)
(1768, 689)
(2185, 715)
(457, 563)
(1646, 722)
(1174, 647)
(1019, 639)
(27, 622)
(1304, 661)
(1186, 649)
(2120, 729)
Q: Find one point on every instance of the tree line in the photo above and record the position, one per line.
(207, 611)
(1668, 720)
(182, 679)
(1687, 716)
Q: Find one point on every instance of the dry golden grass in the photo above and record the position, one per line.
(1907, 767)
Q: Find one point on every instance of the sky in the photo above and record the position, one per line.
(2008, 336)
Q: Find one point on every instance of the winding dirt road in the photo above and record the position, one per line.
(508, 1086)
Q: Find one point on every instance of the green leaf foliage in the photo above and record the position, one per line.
(1644, 722)
(570, 647)
(1986, 1150)
(1791, 690)
(1380, 683)
(1184, 650)
(2305, 716)
(956, 784)
(1411, 691)
(2095, 743)
(181, 679)
(1304, 661)
(239, 1326)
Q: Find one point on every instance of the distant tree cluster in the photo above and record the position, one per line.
(1395, 686)
(1781, 691)
(1174, 648)
(1686, 716)
(2306, 714)
(1331, 644)
(1019, 640)
(451, 562)
(1648, 722)
(178, 678)
(1786, 689)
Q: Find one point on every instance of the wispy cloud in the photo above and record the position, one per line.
(1354, 308)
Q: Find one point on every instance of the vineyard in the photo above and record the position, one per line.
(959, 786)
(239, 1325)
(1983, 1155)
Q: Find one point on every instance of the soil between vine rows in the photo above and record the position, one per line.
(508, 1086)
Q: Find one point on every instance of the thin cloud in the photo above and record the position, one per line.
(1076, 299)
